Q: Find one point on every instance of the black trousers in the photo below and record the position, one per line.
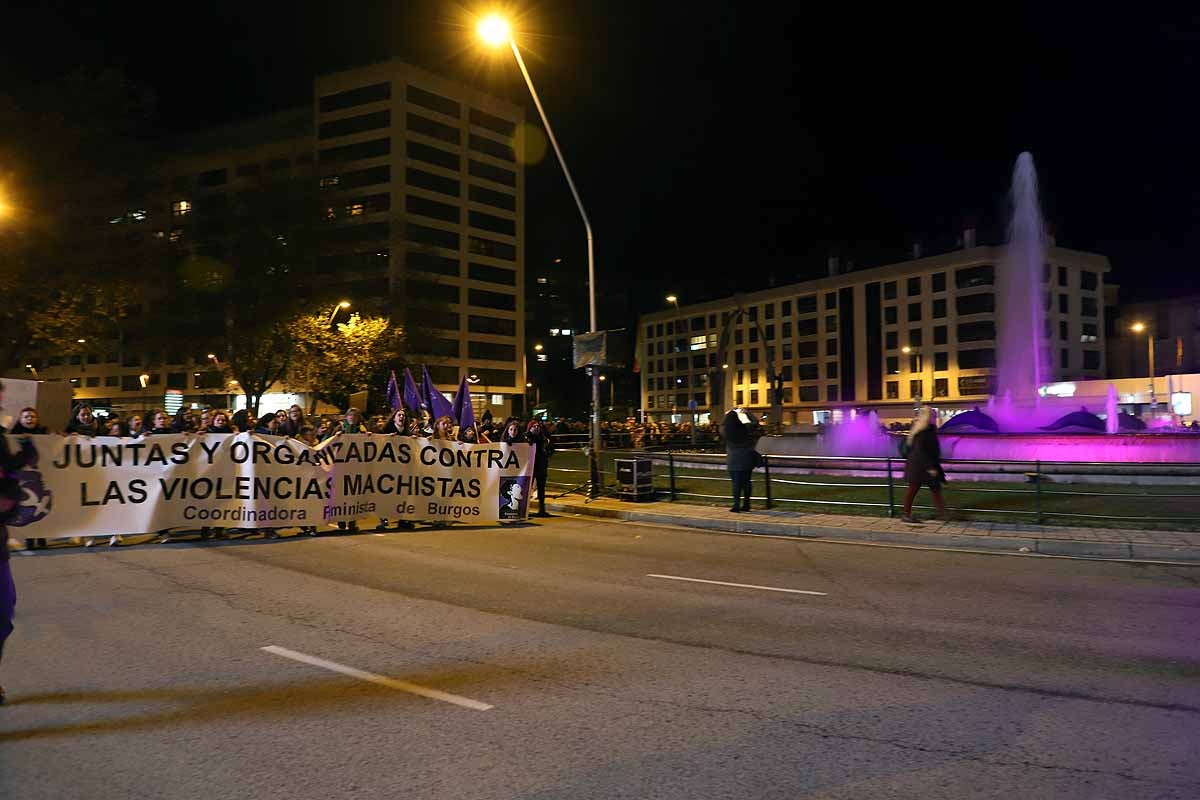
(540, 479)
(741, 487)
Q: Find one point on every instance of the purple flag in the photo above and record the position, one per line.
(437, 403)
(393, 392)
(412, 398)
(464, 412)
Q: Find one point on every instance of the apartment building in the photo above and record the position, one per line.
(881, 338)
(423, 198)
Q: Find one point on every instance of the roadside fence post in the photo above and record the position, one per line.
(891, 490)
(767, 478)
(671, 467)
(1037, 498)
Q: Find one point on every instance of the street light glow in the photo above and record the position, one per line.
(537, 347)
(672, 298)
(1138, 327)
(82, 341)
(212, 355)
(344, 304)
(906, 349)
(494, 30)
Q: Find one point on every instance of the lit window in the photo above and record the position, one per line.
(330, 213)
(136, 215)
(332, 180)
(541, 280)
(699, 342)
(176, 234)
(355, 210)
(180, 208)
(160, 234)
(566, 331)
(554, 331)
(542, 357)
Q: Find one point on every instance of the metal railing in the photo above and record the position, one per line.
(1049, 491)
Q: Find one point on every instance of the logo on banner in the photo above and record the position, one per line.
(33, 503)
(514, 497)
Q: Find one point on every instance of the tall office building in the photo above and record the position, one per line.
(424, 205)
(422, 175)
(880, 338)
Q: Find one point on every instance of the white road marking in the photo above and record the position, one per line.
(738, 585)
(25, 552)
(370, 677)
(379, 534)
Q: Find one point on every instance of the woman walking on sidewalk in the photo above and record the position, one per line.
(741, 434)
(923, 464)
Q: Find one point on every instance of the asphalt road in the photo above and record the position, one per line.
(544, 661)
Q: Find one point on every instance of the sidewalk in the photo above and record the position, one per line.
(1137, 545)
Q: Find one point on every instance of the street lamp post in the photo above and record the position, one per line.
(496, 31)
(1141, 327)
(333, 314)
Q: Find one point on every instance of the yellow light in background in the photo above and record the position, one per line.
(344, 304)
(537, 347)
(529, 145)
(494, 30)
(1138, 327)
(906, 349)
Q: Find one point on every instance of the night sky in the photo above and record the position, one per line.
(721, 146)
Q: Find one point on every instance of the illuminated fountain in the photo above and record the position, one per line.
(1023, 421)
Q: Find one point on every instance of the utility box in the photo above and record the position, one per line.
(635, 481)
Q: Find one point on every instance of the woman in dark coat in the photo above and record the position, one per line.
(923, 465)
(537, 435)
(740, 433)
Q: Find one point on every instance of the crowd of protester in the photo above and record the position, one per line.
(295, 423)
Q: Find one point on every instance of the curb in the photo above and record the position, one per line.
(1008, 544)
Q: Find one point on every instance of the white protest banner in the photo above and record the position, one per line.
(79, 486)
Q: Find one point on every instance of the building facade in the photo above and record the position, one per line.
(882, 338)
(423, 197)
(421, 175)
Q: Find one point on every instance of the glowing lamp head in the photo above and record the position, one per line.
(672, 298)
(494, 30)
(537, 347)
(906, 349)
(344, 304)
(1138, 327)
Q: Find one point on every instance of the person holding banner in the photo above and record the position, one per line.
(294, 422)
(83, 422)
(537, 435)
(27, 423)
(10, 499)
(512, 431)
(443, 428)
(399, 424)
(353, 422)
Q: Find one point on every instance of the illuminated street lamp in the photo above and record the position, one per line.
(1141, 327)
(673, 300)
(538, 348)
(333, 314)
(33, 370)
(496, 31)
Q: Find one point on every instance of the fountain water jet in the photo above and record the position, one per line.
(1021, 338)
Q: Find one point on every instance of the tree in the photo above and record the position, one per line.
(337, 361)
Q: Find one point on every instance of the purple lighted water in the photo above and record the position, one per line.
(1021, 348)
